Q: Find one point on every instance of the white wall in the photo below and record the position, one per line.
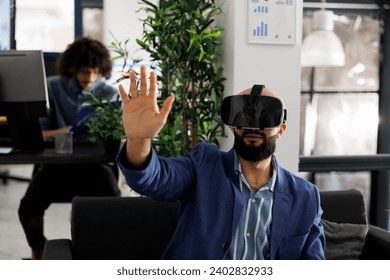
(276, 66)
(122, 19)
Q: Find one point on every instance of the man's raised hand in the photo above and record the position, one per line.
(142, 119)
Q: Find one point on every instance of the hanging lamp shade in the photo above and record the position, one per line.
(322, 47)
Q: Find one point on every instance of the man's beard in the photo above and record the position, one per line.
(251, 152)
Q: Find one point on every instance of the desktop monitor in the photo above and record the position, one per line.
(23, 97)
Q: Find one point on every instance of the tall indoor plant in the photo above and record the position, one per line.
(182, 40)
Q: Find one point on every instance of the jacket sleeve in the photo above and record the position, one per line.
(162, 178)
(315, 243)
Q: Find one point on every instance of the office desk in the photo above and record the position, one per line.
(82, 153)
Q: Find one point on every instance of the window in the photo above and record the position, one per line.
(340, 105)
(44, 24)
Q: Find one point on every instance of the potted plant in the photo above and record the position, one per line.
(104, 123)
(182, 40)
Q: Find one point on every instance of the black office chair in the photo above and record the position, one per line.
(116, 228)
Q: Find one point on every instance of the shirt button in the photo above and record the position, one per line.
(248, 234)
(225, 245)
(253, 200)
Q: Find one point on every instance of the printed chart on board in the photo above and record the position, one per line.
(272, 21)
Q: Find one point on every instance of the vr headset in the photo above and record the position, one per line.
(253, 111)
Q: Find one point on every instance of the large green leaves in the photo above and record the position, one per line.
(182, 39)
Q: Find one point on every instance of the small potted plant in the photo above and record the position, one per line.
(104, 123)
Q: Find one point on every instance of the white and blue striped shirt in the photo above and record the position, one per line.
(251, 239)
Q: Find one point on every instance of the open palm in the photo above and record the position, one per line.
(142, 119)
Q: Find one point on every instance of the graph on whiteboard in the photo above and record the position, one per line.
(272, 21)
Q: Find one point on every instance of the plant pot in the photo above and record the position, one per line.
(111, 146)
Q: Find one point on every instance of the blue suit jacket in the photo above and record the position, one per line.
(211, 205)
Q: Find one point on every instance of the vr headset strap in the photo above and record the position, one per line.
(257, 89)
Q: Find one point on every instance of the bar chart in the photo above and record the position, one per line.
(272, 22)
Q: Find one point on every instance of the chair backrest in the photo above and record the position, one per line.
(121, 228)
(343, 206)
(130, 228)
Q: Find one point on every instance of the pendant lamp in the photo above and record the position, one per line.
(322, 47)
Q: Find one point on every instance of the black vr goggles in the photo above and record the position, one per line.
(253, 111)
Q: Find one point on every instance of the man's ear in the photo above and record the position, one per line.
(281, 130)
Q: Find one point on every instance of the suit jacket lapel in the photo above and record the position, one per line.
(228, 159)
(280, 213)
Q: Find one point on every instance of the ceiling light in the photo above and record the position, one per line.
(322, 47)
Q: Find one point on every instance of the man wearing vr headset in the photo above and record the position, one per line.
(238, 204)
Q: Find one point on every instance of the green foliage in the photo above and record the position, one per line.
(120, 49)
(182, 39)
(121, 52)
(105, 122)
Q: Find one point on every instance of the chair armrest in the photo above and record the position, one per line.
(58, 249)
(377, 244)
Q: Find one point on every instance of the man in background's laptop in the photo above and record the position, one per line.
(81, 68)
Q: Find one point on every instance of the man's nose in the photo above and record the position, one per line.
(91, 76)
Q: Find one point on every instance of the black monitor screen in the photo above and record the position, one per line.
(23, 96)
(23, 80)
(7, 24)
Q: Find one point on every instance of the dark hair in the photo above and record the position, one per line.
(84, 53)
